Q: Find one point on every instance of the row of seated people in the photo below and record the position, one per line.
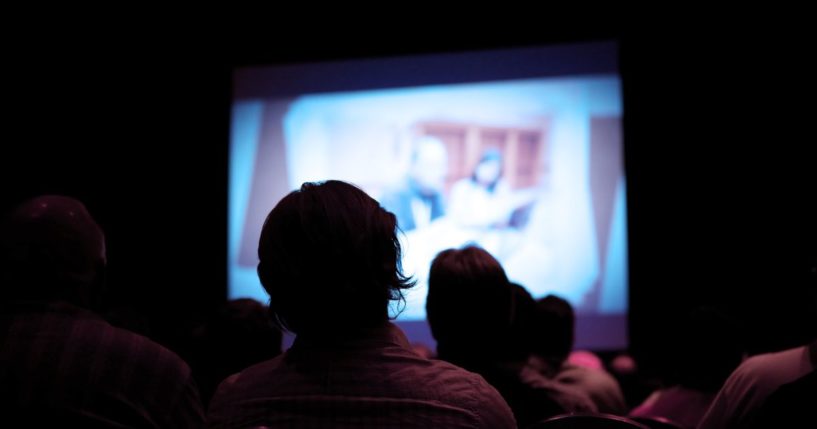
(502, 357)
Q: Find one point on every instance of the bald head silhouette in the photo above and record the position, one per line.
(51, 249)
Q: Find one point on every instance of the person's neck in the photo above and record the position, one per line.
(339, 333)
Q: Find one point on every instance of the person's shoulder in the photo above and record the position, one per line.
(461, 387)
(142, 351)
(259, 380)
(595, 375)
(572, 372)
(462, 186)
(438, 372)
(458, 383)
(759, 374)
(265, 375)
(264, 367)
(769, 363)
(449, 369)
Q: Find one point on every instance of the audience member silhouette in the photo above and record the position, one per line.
(239, 334)
(753, 393)
(744, 393)
(708, 350)
(555, 334)
(330, 261)
(473, 312)
(60, 363)
(527, 334)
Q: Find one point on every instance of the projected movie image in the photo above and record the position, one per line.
(531, 170)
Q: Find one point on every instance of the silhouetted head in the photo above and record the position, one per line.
(555, 328)
(429, 165)
(469, 304)
(52, 249)
(523, 325)
(243, 330)
(329, 258)
(239, 334)
(488, 170)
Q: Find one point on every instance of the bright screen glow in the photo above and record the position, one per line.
(529, 168)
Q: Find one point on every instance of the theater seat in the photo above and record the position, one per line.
(587, 421)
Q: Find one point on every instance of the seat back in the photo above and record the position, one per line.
(658, 422)
(587, 421)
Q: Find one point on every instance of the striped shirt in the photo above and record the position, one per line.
(62, 364)
(372, 381)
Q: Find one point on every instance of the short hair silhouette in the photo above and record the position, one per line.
(471, 310)
(61, 364)
(52, 249)
(329, 257)
(469, 303)
(523, 325)
(556, 328)
(238, 334)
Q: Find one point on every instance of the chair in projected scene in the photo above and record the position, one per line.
(588, 421)
(658, 422)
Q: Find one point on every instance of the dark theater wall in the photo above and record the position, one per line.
(717, 150)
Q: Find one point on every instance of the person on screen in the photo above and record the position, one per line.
(329, 258)
(418, 199)
(62, 365)
(482, 200)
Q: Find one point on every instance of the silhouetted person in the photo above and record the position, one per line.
(238, 335)
(527, 337)
(61, 364)
(330, 261)
(740, 402)
(554, 342)
(635, 386)
(472, 311)
(746, 390)
(708, 350)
